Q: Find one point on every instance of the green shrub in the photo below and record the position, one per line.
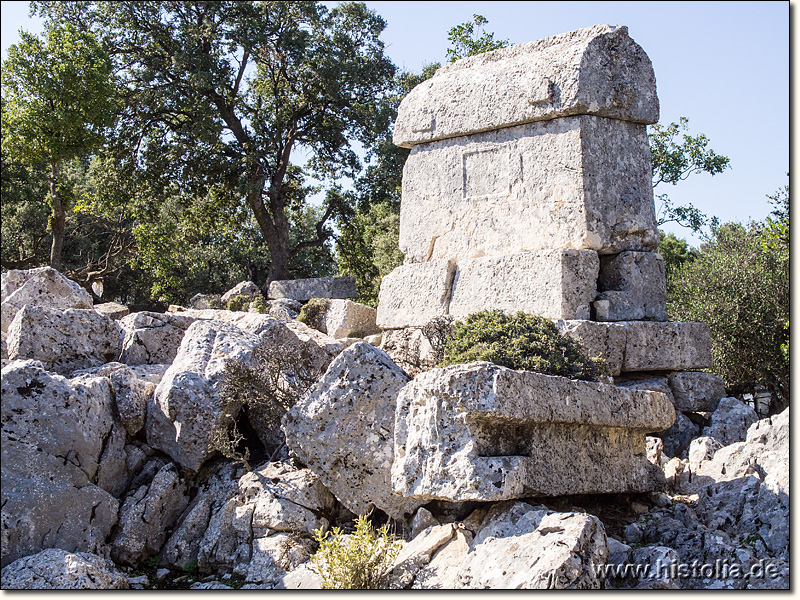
(739, 285)
(238, 302)
(259, 304)
(313, 312)
(360, 561)
(521, 341)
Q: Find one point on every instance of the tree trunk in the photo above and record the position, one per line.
(58, 218)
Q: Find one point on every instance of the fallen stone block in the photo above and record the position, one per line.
(730, 421)
(696, 392)
(411, 295)
(245, 288)
(319, 287)
(63, 341)
(579, 182)
(112, 310)
(343, 429)
(632, 286)
(630, 346)
(56, 569)
(488, 433)
(522, 547)
(152, 338)
(345, 318)
(597, 70)
(39, 287)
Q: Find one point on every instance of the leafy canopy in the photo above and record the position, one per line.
(469, 39)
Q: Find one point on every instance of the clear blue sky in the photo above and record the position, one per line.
(725, 66)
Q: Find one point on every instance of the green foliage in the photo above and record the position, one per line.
(259, 304)
(676, 252)
(313, 312)
(739, 286)
(238, 303)
(676, 159)
(521, 341)
(469, 39)
(360, 561)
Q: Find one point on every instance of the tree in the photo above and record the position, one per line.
(221, 93)
(57, 105)
(676, 252)
(673, 161)
(469, 39)
(740, 286)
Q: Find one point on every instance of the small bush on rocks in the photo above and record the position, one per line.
(238, 303)
(360, 561)
(259, 304)
(313, 312)
(521, 341)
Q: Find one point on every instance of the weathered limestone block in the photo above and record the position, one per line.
(579, 182)
(630, 346)
(488, 433)
(152, 338)
(187, 407)
(417, 553)
(441, 573)
(63, 341)
(409, 348)
(730, 421)
(522, 547)
(633, 287)
(39, 287)
(284, 309)
(255, 323)
(696, 392)
(558, 284)
(679, 436)
(112, 310)
(245, 288)
(205, 301)
(343, 429)
(318, 287)
(53, 436)
(55, 569)
(597, 70)
(412, 295)
(146, 516)
(345, 318)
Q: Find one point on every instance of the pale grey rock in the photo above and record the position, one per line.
(276, 497)
(245, 288)
(417, 553)
(343, 429)
(112, 310)
(773, 431)
(485, 432)
(645, 382)
(112, 469)
(702, 449)
(375, 340)
(409, 348)
(209, 585)
(558, 284)
(43, 286)
(56, 569)
(618, 553)
(441, 573)
(53, 437)
(188, 407)
(345, 318)
(696, 392)
(575, 183)
(520, 547)
(63, 341)
(421, 521)
(276, 555)
(413, 294)
(597, 70)
(659, 559)
(632, 286)
(655, 450)
(633, 533)
(730, 421)
(152, 338)
(183, 545)
(147, 514)
(133, 387)
(284, 309)
(301, 578)
(205, 301)
(678, 436)
(598, 340)
(319, 287)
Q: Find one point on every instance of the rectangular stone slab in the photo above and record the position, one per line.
(485, 432)
(577, 182)
(558, 284)
(412, 295)
(629, 346)
(316, 287)
(597, 70)
(632, 286)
